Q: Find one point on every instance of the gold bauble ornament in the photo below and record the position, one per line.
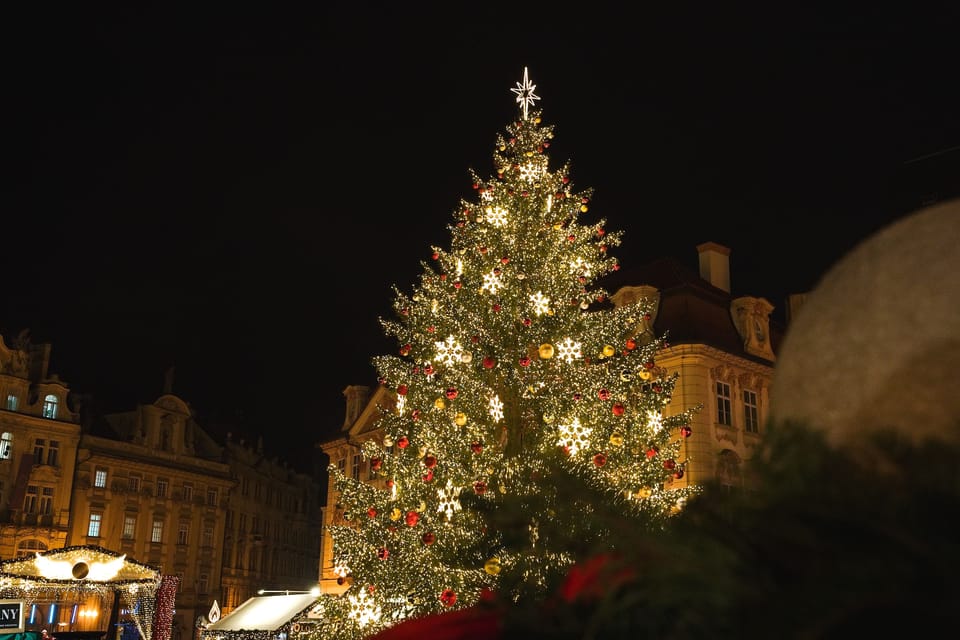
(645, 492)
(460, 419)
(608, 350)
(616, 439)
(387, 441)
(547, 418)
(395, 514)
(439, 403)
(466, 357)
(546, 350)
(644, 374)
(492, 566)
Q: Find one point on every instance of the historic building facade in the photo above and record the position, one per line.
(39, 435)
(273, 524)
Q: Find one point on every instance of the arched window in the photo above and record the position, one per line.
(729, 473)
(6, 445)
(50, 406)
(29, 546)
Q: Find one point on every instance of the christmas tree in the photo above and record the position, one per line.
(511, 374)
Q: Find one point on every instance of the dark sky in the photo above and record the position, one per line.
(233, 191)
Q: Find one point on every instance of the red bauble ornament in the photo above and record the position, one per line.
(685, 431)
(428, 370)
(402, 390)
(389, 483)
(457, 284)
(430, 461)
(376, 463)
(448, 597)
(474, 339)
(618, 409)
(383, 553)
(476, 185)
(489, 362)
(603, 394)
(451, 393)
(601, 232)
(415, 415)
(524, 361)
(577, 397)
(403, 442)
(405, 350)
(428, 476)
(571, 237)
(480, 487)
(504, 260)
(527, 322)
(566, 179)
(657, 388)
(412, 518)
(669, 464)
(678, 473)
(372, 512)
(483, 249)
(436, 255)
(631, 344)
(429, 538)
(600, 459)
(431, 329)
(443, 277)
(496, 306)
(476, 446)
(652, 451)
(648, 365)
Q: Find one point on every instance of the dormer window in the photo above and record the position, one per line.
(12, 402)
(751, 317)
(50, 407)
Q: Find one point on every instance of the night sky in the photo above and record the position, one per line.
(234, 191)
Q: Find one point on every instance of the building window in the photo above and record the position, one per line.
(213, 496)
(30, 499)
(46, 501)
(162, 485)
(751, 421)
(342, 465)
(100, 478)
(133, 484)
(355, 468)
(39, 446)
(6, 445)
(203, 583)
(129, 526)
(50, 406)
(156, 531)
(93, 525)
(187, 491)
(207, 540)
(12, 402)
(257, 490)
(183, 533)
(53, 453)
(723, 404)
(244, 486)
(30, 546)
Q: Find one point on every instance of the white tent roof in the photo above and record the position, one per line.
(264, 613)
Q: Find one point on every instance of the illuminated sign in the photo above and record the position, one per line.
(11, 616)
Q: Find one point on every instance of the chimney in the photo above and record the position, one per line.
(715, 264)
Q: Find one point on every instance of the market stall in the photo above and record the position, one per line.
(85, 593)
(268, 617)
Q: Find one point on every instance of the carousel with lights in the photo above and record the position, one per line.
(84, 593)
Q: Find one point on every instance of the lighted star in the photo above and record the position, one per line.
(525, 94)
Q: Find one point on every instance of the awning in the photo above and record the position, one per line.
(263, 613)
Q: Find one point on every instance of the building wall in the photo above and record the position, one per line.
(39, 435)
(273, 527)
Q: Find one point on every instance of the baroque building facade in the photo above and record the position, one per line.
(152, 484)
(723, 348)
(39, 436)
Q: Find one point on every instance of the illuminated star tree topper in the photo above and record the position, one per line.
(525, 94)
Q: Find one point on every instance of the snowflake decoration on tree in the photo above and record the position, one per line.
(541, 303)
(491, 282)
(574, 436)
(496, 408)
(654, 420)
(497, 216)
(449, 500)
(568, 350)
(580, 267)
(363, 609)
(487, 195)
(531, 171)
(448, 352)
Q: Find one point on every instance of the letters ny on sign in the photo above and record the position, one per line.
(11, 616)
